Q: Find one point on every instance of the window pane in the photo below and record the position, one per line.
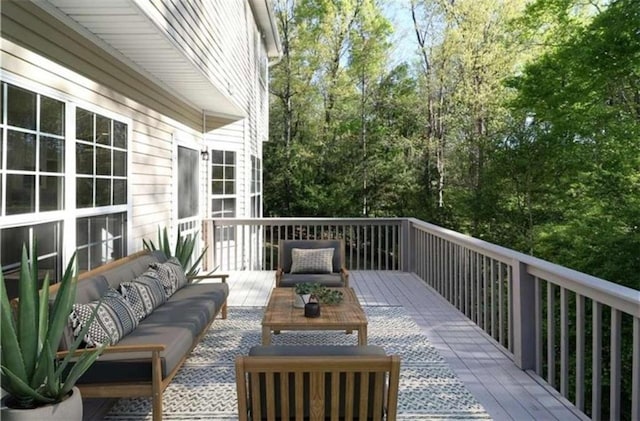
(84, 159)
(217, 187)
(82, 231)
(84, 125)
(21, 147)
(51, 193)
(230, 158)
(119, 192)
(51, 116)
(11, 241)
(119, 163)
(217, 172)
(217, 157)
(51, 154)
(103, 161)
(46, 237)
(21, 197)
(216, 206)
(230, 173)
(82, 260)
(119, 135)
(103, 192)
(229, 187)
(21, 108)
(103, 130)
(84, 192)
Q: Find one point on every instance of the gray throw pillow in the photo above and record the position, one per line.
(312, 260)
(114, 319)
(144, 293)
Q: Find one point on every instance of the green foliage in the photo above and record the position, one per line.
(31, 373)
(320, 292)
(183, 250)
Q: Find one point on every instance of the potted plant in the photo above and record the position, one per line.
(304, 291)
(40, 384)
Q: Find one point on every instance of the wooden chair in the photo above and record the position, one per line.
(338, 277)
(317, 388)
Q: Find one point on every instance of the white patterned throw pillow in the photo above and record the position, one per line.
(144, 293)
(114, 319)
(312, 260)
(167, 277)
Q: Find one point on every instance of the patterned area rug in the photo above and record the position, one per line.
(204, 389)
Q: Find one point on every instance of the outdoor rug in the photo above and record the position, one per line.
(205, 388)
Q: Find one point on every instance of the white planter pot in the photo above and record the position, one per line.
(300, 300)
(69, 409)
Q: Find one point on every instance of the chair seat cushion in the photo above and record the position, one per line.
(327, 279)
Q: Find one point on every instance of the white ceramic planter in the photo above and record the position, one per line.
(69, 409)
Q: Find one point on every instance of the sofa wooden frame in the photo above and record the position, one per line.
(250, 368)
(158, 384)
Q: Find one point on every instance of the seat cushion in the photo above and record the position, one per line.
(326, 279)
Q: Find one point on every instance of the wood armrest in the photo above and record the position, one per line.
(279, 275)
(222, 276)
(117, 348)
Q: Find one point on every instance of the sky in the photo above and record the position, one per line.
(404, 38)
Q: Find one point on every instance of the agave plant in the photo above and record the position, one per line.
(183, 250)
(32, 374)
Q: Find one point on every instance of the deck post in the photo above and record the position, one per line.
(408, 259)
(524, 348)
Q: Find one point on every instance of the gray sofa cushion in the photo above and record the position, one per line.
(176, 324)
(316, 351)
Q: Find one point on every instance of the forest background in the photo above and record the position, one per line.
(513, 121)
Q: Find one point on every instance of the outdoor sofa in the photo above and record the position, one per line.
(143, 363)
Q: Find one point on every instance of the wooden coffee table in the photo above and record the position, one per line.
(280, 314)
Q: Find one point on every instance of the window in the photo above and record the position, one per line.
(256, 187)
(101, 160)
(33, 138)
(223, 184)
(36, 182)
(100, 239)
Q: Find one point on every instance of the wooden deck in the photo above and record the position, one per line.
(505, 391)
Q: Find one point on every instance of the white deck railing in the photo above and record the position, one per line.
(516, 298)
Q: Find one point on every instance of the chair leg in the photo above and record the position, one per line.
(156, 386)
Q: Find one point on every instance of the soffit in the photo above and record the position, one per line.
(122, 29)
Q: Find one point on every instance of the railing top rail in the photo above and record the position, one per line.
(603, 291)
(306, 221)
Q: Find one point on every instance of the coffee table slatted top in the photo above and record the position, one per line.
(280, 314)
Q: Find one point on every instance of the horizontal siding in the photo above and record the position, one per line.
(33, 28)
(150, 148)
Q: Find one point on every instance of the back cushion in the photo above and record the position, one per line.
(286, 247)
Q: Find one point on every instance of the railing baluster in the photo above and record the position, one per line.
(478, 290)
(616, 364)
(485, 293)
(538, 316)
(635, 369)
(596, 361)
(501, 300)
(551, 335)
(564, 342)
(510, 336)
(580, 354)
(493, 299)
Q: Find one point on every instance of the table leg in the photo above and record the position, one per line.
(362, 335)
(266, 335)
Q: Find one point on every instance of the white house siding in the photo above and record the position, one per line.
(150, 145)
(219, 36)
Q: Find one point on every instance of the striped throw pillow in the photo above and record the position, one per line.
(114, 319)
